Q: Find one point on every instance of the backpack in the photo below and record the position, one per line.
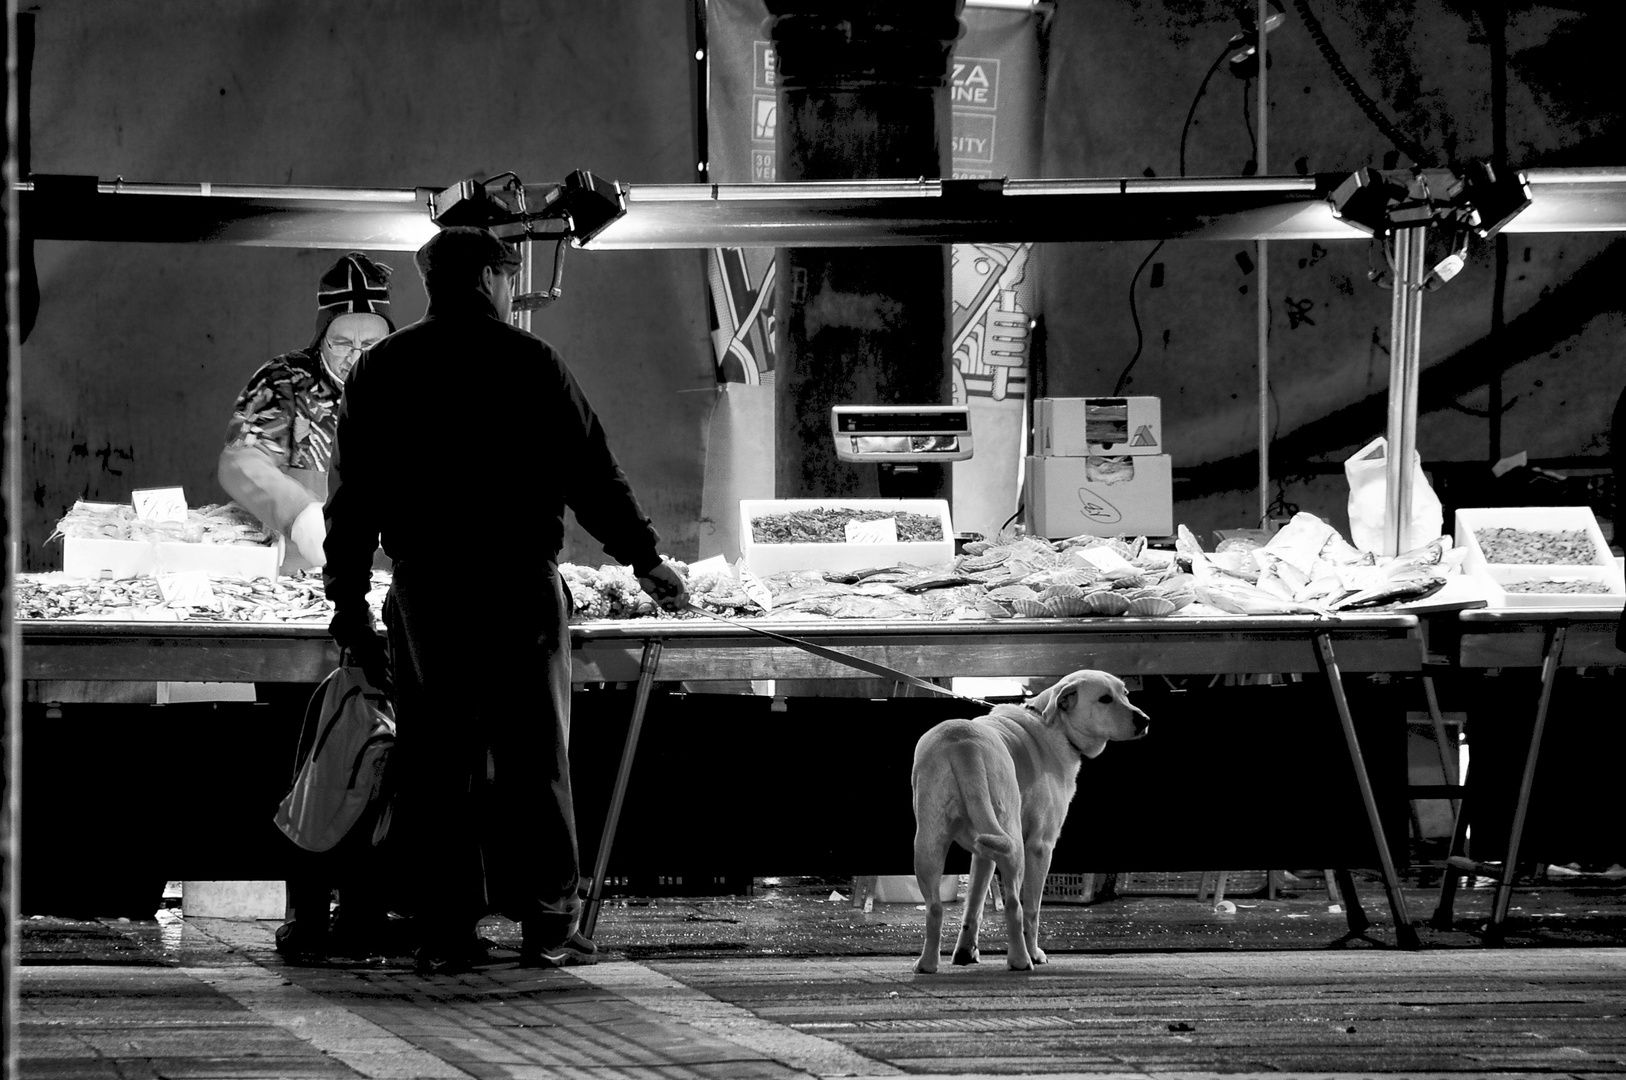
(344, 743)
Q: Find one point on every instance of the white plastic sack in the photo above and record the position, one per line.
(1368, 495)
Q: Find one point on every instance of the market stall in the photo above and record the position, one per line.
(1233, 631)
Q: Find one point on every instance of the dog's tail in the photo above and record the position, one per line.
(996, 846)
(991, 841)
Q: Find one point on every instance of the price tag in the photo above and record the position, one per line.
(186, 587)
(754, 588)
(159, 504)
(879, 531)
(1104, 559)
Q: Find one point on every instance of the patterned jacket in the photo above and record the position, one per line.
(284, 419)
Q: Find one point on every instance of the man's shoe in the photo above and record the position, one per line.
(299, 943)
(574, 951)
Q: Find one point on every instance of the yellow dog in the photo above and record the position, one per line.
(999, 786)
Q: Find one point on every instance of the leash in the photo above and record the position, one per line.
(842, 658)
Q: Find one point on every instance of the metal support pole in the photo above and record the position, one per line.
(640, 703)
(1405, 331)
(1264, 387)
(527, 278)
(1262, 302)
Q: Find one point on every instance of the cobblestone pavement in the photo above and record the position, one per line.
(792, 983)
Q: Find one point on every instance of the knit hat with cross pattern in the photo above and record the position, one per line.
(355, 285)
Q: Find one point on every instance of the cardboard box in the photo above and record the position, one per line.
(765, 559)
(1100, 496)
(1604, 567)
(94, 558)
(1081, 427)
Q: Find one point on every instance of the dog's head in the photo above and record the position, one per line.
(1092, 709)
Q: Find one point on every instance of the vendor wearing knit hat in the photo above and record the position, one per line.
(280, 437)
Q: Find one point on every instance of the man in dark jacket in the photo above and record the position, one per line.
(483, 818)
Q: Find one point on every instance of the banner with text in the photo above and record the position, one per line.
(997, 89)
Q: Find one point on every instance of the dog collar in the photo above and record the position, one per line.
(1081, 755)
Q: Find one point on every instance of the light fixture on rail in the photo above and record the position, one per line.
(1474, 202)
(1244, 46)
(572, 212)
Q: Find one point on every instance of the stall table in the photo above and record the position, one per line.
(1548, 638)
(698, 650)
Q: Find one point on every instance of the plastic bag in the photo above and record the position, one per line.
(1366, 470)
(339, 766)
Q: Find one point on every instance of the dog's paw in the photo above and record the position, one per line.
(926, 967)
(966, 956)
(1019, 965)
(1038, 956)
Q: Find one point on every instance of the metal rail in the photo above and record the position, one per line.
(865, 213)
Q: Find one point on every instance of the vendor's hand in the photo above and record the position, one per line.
(665, 586)
(353, 631)
(308, 532)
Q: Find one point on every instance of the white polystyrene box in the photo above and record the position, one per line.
(86, 557)
(1604, 567)
(765, 559)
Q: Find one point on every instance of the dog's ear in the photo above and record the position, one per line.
(1067, 699)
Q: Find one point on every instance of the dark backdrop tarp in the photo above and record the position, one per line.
(140, 349)
(1121, 80)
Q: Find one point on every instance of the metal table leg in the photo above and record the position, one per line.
(1456, 864)
(1551, 654)
(1405, 933)
(640, 703)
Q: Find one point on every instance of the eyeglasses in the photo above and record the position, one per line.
(344, 348)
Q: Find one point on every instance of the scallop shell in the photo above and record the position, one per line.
(1067, 607)
(1180, 599)
(993, 608)
(1107, 602)
(1130, 581)
(1072, 592)
(975, 547)
(1151, 606)
(1007, 593)
(985, 561)
(1136, 594)
(1033, 609)
(1073, 577)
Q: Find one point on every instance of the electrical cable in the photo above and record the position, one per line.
(1252, 167)
(1134, 313)
(1191, 112)
(1420, 157)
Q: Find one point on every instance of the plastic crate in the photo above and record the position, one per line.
(1071, 888)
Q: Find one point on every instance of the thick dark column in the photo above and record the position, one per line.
(862, 96)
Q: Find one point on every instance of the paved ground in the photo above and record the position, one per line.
(792, 983)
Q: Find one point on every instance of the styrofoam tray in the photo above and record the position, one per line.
(765, 559)
(1604, 568)
(90, 557)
